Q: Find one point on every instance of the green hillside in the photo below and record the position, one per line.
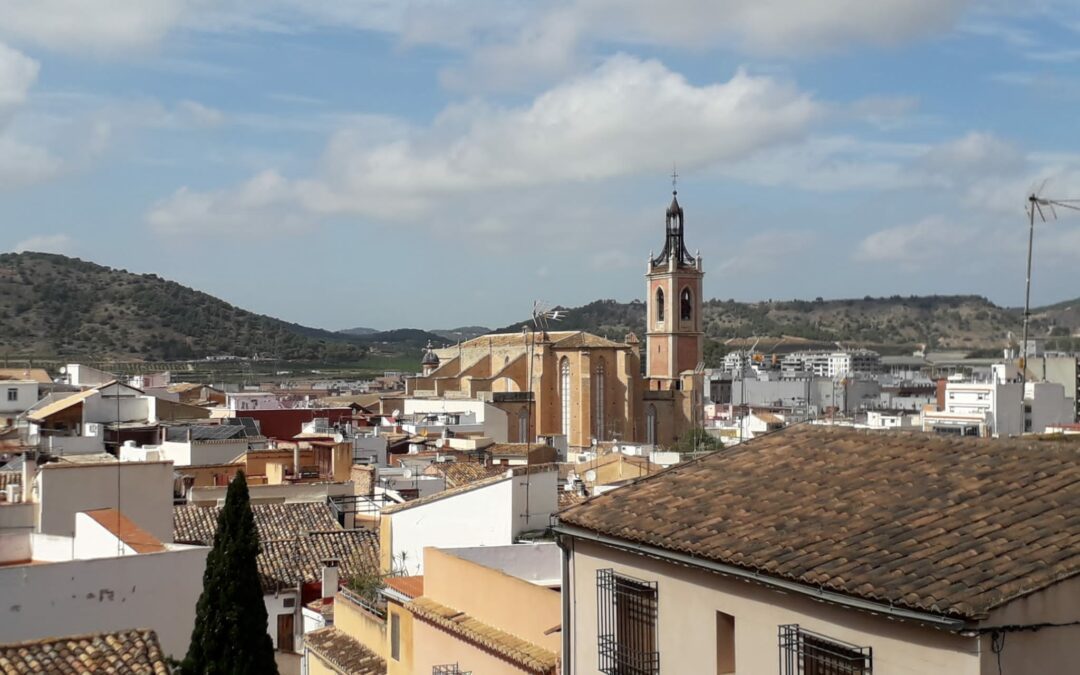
(52, 305)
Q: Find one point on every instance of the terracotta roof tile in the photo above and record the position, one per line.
(412, 587)
(129, 652)
(294, 540)
(531, 657)
(457, 474)
(287, 562)
(345, 654)
(126, 531)
(946, 525)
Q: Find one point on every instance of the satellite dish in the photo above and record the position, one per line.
(407, 473)
(63, 370)
(590, 476)
(395, 413)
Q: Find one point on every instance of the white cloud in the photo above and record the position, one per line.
(926, 242)
(627, 117)
(46, 243)
(263, 205)
(100, 25)
(17, 74)
(201, 115)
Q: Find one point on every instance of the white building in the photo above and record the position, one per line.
(892, 419)
(489, 512)
(1000, 407)
(16, 397)
(258, 400)
(108, 575)
(434, 415)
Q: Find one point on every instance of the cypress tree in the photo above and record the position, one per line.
(230, 635)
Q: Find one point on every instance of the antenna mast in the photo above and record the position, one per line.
(1035, 203)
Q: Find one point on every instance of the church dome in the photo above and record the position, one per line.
(430, 358)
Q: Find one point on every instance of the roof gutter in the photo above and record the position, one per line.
(819, 594)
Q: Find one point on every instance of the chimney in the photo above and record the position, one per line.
(28, 473)
(296, 460)
(329, 578)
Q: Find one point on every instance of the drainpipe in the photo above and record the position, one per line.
(564, 543)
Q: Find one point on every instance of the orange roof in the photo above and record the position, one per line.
(38, 375)
(126, 531)
(412, 587)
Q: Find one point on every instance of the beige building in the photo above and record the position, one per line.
(493, 610)
(824, 550)
(585, 387)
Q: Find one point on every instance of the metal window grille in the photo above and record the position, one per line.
(449, 669)
(803, 652)
(626, 625)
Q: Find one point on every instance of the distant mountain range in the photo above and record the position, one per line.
(53, 305)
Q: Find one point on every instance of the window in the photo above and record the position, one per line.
(12, 394)
(650, 425)
(395, 636)
(805, 653)
(626, 625)
(686, 305)
(564, 383)
(523, 426)
(598, 388)
(660, 305)
(725, 643)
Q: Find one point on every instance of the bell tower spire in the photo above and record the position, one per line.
(674, 335)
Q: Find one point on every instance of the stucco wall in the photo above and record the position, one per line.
(688, 601)
(480, 517)
(494, 598)
(435, 647)
(1050, 649)
(144, 495)
(357, 623)
(156, 590)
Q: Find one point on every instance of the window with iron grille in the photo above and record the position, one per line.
(803, 652)
(626, 625)
(449, 669)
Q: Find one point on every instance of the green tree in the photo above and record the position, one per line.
(697, 440)
(230, 635)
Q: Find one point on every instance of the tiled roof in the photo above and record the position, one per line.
(287, 562)
(516, 449)
(946, 525)
(197, 524)
(531, 657)
(126, 531)
(517, 471)
(568, 498)
(343, 653)
(39, 375)
(129, 652)
(412, 587)
(59, 405)
(582, 339)
(457, 474)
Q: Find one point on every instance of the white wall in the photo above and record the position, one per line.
(102, 408)
(492, 420)
(492, 515)
(1049, 405)
(183, 453)
(26, 395)
(155, 590)
(145, 495)
(275, 604)
(479, 517)
(275, 494)
(93, 540)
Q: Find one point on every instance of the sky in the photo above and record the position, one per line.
(432, 164)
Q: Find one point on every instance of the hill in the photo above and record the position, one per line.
(897, 323)
(52, 305)
(358, 331)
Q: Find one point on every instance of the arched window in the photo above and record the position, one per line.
(564, 384)
(686, 303)
(523, 426)
(650, 425)
(659, 304)
(598, 401)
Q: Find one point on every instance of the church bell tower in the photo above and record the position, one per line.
(674, 336)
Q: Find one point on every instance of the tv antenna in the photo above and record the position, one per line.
(1036, 202)
(542, 314)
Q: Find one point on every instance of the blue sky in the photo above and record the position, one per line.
(389, 163)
